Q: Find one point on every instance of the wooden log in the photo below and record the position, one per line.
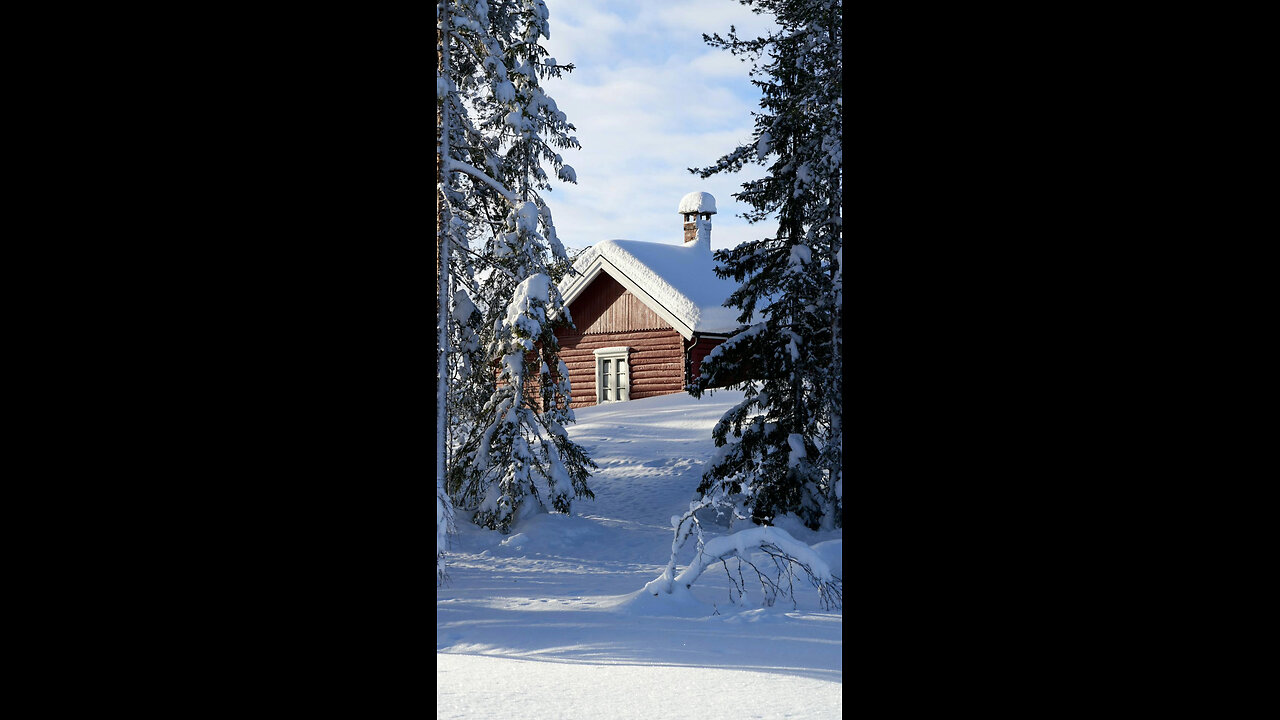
(594, 341)
(656, 380)
(674, 368)
(618, 338)
(656, 374)
(642, 396)
(638, 354)
(652, 387)
(664, 366)
(636, 347)
(654, 371)
(632, 336)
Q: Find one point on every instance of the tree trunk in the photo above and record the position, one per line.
(442, 260)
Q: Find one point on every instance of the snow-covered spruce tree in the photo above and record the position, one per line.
(514, 456)
(468, 203)
(785, 452)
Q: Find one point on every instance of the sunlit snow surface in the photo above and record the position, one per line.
(490, 687)
(551, 621)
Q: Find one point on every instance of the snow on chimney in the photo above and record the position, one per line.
(697, 208)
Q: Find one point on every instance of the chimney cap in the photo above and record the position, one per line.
(698, 202)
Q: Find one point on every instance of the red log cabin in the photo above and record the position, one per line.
(646, 313)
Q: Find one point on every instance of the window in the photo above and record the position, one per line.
(613, 374)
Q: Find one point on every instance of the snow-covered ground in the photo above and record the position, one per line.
(552, 622)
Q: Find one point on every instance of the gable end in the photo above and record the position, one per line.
(601, 264)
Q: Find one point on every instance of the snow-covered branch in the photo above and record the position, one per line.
(455, 166)
(787, 553)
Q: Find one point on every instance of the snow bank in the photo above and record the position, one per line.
(547, 534)
(516, 541)
(832, 553)
(642, 603)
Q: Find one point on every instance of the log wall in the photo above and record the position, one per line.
(656, 361)
(608, 315)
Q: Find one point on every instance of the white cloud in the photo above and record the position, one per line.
(583, 35)
(710, 17)
(650, 100)
(718, 63)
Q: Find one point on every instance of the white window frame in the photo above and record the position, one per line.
(621, 352)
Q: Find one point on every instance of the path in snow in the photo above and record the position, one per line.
(565, 591)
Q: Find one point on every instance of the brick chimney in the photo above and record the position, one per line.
(697, 208)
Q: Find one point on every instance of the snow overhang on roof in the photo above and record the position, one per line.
(676, 282)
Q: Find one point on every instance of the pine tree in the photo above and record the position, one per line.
(785, 453)
(513, 454)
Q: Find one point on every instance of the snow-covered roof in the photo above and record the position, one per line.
(676, 282)
(698, 202)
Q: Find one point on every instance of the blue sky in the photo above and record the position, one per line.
(650, 99)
